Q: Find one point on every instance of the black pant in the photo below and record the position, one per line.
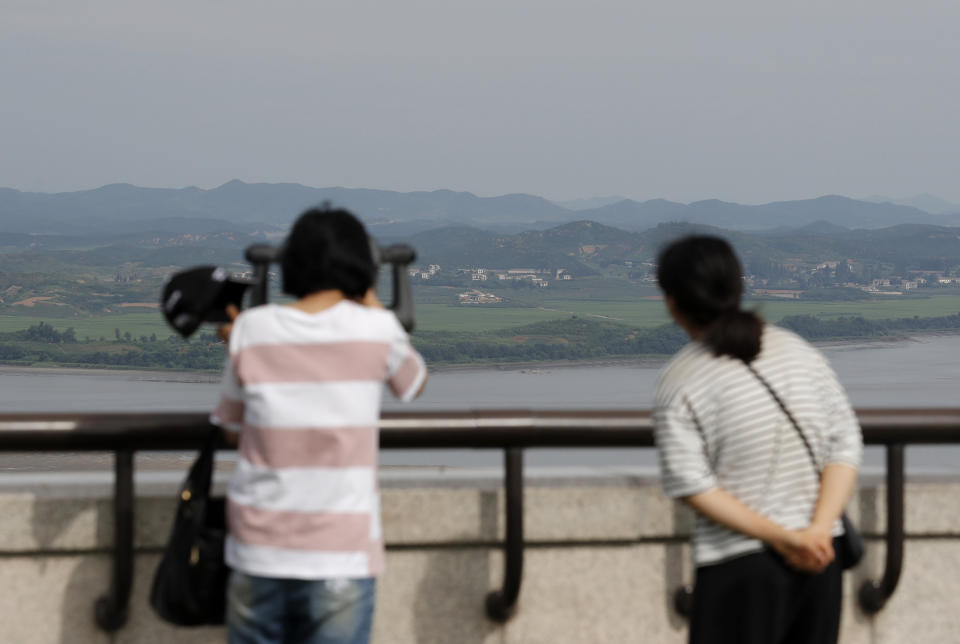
(758, 599)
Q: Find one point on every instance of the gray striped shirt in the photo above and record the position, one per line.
(718, 426)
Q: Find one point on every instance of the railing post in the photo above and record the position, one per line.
(873, 595)
(111, 609)
(501, 604)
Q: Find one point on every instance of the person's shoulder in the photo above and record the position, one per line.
(780, 334)
(370, 317)
(268, 310)
(356, 309)
(777, 338)
(681, 368)
(692, 354)
(259, 315)
(781, 345)
(253, 326)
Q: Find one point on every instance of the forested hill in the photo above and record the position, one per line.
(243, 207)
(842, 211)
(582, 247)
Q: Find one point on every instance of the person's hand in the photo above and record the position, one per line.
(370, 299)
(223, 331)
(821, 536)
(809, 550)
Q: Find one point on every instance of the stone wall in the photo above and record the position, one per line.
(603, 558)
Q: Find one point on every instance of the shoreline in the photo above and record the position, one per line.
(648, 361)
(158, 375)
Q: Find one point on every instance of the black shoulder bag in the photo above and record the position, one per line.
(189, 587)
(850, 545)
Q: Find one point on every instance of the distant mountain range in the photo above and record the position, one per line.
(581, 248)
(927, 202)
(590, 203)
(269, 208)
(839, 211)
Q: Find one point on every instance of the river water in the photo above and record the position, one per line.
(920, 372)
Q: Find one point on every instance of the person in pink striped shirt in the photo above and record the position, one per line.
(302, 389)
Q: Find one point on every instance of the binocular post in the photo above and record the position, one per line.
(261, 256)
(399, 256)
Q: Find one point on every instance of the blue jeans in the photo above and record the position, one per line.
(263, 610)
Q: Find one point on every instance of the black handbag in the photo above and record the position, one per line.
(850, 547)
(189, 587)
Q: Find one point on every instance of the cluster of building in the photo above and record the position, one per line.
(432, 270)
(841, 274)
(537, 276)
(476, 296)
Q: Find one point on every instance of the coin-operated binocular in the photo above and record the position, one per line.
(201, 294)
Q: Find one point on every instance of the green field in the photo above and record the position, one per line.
(95, 326)
(889, 307)
(435, 316)
(650, 313)
(441, 317)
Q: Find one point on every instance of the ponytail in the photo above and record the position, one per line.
(736, 334)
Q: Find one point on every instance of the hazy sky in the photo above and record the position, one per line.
(742, 100)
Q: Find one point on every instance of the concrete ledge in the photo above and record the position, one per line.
(602, 510)
(604, 557)
(604, 593)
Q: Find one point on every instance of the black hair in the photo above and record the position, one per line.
(327, 249)
(703, 276)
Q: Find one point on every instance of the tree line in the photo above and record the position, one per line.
(570, 339)
(42, 344)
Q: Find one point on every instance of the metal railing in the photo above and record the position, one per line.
(511, 431)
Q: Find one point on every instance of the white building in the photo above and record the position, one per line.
(475, 296)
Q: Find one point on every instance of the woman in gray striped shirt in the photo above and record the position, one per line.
(763, 545)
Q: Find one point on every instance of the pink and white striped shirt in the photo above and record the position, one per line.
(304, 391)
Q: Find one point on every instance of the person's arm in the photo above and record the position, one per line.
(407, 373)
(407, 379)
(837, 482)
(224, 330)
(803, 549)
(229, 412)
(843, 452)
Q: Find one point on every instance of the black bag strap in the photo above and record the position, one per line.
(793, 421)
(204, 464)
(196, 488)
